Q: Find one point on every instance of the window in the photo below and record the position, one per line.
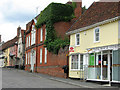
(29, 41)
(77, 42)
(33, 34)
(26, 58)
(77, 62)
(41, 56)
(41, 35)
(29, 58)
(96, 35)
(45, 55)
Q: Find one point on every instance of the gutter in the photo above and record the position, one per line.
(92, 26)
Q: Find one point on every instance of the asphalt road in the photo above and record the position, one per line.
(19, 79)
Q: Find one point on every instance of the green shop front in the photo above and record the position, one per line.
(104, 63)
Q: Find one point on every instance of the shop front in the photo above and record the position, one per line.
(104, 63)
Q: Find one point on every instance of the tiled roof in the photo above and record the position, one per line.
(97, 12)
(9, 43)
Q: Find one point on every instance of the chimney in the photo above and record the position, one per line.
(78, 9)
(0, 38)
(18, 31)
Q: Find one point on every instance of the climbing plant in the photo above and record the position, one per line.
(53, 13)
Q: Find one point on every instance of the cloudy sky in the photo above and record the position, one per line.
(14, 13)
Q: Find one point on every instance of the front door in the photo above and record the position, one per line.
(32, 62)
(107, 65)
(33, 59)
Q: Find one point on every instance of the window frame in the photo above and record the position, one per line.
(79, 63)
(33, 35)
(41, 34)
(76, 39)
(29, 41)
(40, 55)
(72, 69)
(26, 58)
(96, 35)
(45, 55)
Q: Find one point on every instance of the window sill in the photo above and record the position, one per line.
(96, 41)
(77, 45)
(75, 70)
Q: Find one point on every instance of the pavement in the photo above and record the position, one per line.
(77, 83)
(15, 78)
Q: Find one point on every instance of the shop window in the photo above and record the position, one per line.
(77, 62)
(91, 62)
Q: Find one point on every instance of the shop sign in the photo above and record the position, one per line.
(71, 49)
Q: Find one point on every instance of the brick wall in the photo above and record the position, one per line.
(54, 63)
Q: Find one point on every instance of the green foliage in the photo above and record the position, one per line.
(55, 12)
(57, 44)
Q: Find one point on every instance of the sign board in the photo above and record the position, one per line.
(71, 49)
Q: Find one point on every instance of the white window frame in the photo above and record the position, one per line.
(29, 41)
(45, 55)
(33, 35)
(40, 55)
(95, 35)
(76, 39)
(26, 58)
(41, 34)
(78, 63)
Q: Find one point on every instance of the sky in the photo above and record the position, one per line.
(14, 13)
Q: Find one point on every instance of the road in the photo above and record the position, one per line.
(20, 79)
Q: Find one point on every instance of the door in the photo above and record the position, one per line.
(105, 67)
(32, 64)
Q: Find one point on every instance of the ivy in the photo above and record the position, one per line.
(53, 13)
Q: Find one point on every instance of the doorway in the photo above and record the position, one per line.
(107, 65)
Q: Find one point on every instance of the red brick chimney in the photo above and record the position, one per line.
(18, 31)
(78, 9)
